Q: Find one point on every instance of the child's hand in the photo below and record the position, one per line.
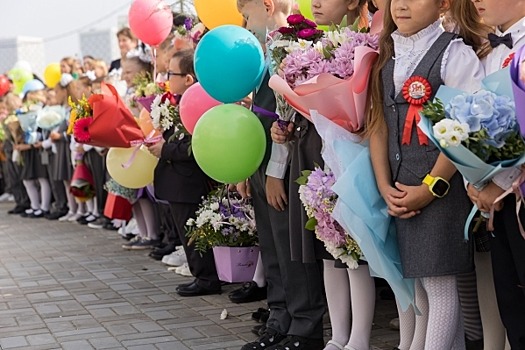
(244, 189)
(275, 193)
(487, 196)
(55, 136)
(279, 135)
(156, 148)
(416, 198)
(472, 193)
(246, 102)
(37, 144)
(389, 193)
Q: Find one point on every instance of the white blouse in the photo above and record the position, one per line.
(461, 67)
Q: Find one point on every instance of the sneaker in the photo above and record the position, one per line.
(177, 258)
(98, 223)
(5, 197)
(133, 241)
(76, 217)
(269, 338)
(184, 270)
(66, 217)
(145, 243)
(294, 342)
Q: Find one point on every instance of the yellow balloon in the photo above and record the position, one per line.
(214, 13)
(139, 173)
(52, 74)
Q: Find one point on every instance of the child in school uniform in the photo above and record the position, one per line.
(417, 55)
(507, 244)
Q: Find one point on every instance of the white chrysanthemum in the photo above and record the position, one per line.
(166, 123)
(214, 206)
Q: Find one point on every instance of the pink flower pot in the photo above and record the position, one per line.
(235, 264)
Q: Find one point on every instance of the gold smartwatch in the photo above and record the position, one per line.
(438, 186)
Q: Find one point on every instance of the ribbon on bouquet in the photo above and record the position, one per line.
(416, 91)
(138, 143)
(283, 124)
(516, 189)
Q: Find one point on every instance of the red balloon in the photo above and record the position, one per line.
(5, 85)
(150, 20)
(193, 104)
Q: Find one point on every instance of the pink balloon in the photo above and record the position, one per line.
(193, 104)
(150, 20)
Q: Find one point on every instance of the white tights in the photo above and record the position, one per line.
(144, 213)
(42, 200)
(440, 325)
(349, 291)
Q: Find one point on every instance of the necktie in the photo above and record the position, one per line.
(495, 40)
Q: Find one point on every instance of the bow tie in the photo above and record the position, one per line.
(495, 40)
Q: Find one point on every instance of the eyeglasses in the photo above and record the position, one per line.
(170, 73)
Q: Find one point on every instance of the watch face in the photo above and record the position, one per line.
(440, 187)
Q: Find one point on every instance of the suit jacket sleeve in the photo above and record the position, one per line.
(176, 151)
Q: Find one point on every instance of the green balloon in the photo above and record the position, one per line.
(229, 143)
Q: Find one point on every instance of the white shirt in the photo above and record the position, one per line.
(409, 51)
(279, 160)
(495, 61)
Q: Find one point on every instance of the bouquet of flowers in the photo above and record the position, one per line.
(335, 68)
(27, 115)
(319, 201)
(478, 132)
(146, 90)
(223, 219)
(82, 184)
(300, 33)
(50, 117)
(81, 116)
(165, 115)
(188, 34)
(103, 120)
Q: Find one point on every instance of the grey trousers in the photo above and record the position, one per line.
(57, 187)
(295, 289)
(14, 183)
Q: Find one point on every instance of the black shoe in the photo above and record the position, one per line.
(247, 293)
(37, 214)
(194, 290)
(56, 215)
(294, 342)
(259, 329)
(128, 236)
(474, 344)
(261, 315)
(184, 285)
(109, 226)
(159, 253)
(269, 338)
(19, 209)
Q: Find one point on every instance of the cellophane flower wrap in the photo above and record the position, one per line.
(330, 75)
(300, 33)
(50, 117)
(319, 200)
(223, 219)
(27, 115)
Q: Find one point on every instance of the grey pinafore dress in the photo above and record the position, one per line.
(431, 243)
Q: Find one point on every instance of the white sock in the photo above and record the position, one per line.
(139, 218)
(337, 288)
(71, 203)
(148, 213)
(445, 326)
(32, 193)
(363, 300)
(90, 206)
(258, 276)
(421, 321)
(45, 194)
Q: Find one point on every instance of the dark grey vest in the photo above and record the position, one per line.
(410, 163)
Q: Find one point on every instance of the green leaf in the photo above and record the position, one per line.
(311, 224)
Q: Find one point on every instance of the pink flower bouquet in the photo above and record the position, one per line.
(330, 75)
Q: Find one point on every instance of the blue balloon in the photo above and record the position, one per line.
(229, 63)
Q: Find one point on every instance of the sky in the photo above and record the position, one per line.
(59, 21)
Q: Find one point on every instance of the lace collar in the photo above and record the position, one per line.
(422, 40)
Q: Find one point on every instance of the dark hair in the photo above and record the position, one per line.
(371, 7)
(145, 66)
(185, 61)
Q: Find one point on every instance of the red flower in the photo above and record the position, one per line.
(170, 97)
(81, 130)
(285, 30)
(307, 33)
(162, 85)
(310, 23)
(295, 19)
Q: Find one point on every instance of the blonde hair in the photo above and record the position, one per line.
(465, 17)
(102, 65)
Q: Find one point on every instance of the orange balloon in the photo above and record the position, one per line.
(214, 13)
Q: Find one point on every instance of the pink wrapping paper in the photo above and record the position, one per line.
(341, 101)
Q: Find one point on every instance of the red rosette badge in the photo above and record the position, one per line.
(416, 91)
